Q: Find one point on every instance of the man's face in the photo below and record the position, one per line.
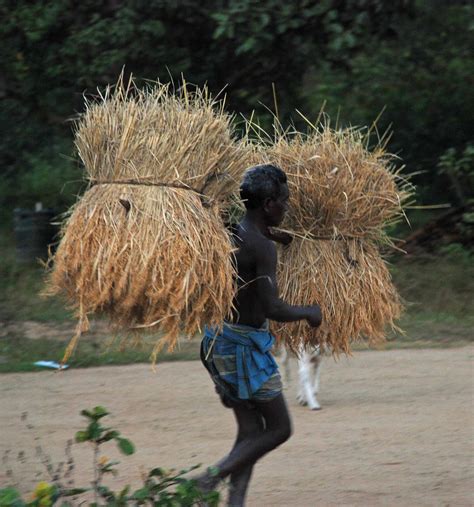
(275, 209)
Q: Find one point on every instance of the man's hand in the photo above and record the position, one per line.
(314, 316)
(281, 237)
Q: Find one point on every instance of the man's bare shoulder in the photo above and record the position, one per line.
(255, 244)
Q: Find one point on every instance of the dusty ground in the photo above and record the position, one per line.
(396, 428)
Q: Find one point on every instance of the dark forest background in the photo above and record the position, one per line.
(413, 60)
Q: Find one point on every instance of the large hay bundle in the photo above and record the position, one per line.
(342, 196)
(145, 245)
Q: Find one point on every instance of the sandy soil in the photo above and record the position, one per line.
(396, 428)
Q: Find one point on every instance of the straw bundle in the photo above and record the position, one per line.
(146, 245)
(342, 196)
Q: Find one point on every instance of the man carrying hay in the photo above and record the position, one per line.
(238, 357)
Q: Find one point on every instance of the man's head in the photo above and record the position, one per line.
(265, 187)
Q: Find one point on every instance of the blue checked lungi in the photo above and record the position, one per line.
(240, 363)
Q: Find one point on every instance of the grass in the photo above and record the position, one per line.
(18, 353)
(438, 291)
(23, 341)
(20, 285)
(439, 299)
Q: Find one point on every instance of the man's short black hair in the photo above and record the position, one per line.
(261, 182)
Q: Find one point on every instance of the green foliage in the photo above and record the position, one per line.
(460, 170)
(38, 174)
(421, 77)
(53, 52)
(270, 41)
(161, 487)
(455, 253)
(98, 434)
(9, 497)
(462, 165)
(20, 287)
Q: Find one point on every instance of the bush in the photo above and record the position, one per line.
(161, 487)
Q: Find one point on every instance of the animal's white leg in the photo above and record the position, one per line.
(301, 397)
(305, 394)
(316, 379)
(317, 361)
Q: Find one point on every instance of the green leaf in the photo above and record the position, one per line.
(186, 492)
(9, 497)
(158, 472)
(110, 435)
(108, 468)
(219, 31)
(219, 17)
(99, 412)
(125, 446)
(248, 45)
(124, 492)
(141, 494)
(212, 498)
(94, 430)
(82, 436)
(74, 491)
(106, 493)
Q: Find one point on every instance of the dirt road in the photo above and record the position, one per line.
(396, 428)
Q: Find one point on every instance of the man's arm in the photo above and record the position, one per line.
(279, 236)
(275, 308)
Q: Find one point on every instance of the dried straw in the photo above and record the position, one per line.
(145, 245)
(342, 197)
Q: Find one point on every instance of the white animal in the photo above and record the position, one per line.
(309, 371)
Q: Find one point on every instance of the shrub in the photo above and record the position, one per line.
(161, 487)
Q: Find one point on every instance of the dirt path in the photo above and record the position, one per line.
(396, 428)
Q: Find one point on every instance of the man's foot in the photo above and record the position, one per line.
(208, 481)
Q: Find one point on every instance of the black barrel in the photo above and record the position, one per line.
(34, 232)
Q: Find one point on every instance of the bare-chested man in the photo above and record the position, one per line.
(238, 358)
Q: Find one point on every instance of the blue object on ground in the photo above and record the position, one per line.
(51, 364)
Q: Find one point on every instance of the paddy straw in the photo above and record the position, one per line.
(343, 197)
(145, 245)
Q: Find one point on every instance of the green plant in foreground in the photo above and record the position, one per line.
(161, 487)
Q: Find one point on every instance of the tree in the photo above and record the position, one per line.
(422, 79)
(54, 51)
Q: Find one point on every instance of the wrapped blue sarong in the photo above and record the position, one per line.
(240, 362)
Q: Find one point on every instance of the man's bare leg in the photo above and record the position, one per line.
(250, 423)
(251, 448)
